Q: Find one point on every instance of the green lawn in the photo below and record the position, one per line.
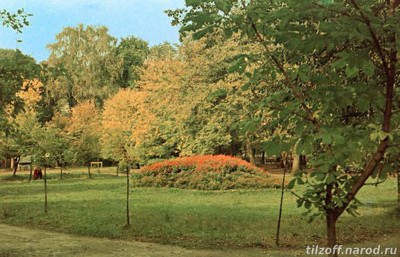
(199, 219)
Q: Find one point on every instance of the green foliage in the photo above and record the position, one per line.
(133, 52)
(329, 69)
(51, 147)
(15, 67)
(48, 145)
(86, 149)
(16, 21)
(216, 107)
(83, 65)
(162, 51)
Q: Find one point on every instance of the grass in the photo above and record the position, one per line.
(190, 218)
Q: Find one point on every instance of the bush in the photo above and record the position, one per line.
(205, 172)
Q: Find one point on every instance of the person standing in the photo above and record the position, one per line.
(16, 162)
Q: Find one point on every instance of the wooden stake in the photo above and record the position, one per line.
(280, 208)
(45, 190)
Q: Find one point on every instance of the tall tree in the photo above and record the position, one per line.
(160, 80)
(133, 52)
(339, 64)
(218, 105)
(83, 65)
(16, 21)
(15, 68)
(36, 139)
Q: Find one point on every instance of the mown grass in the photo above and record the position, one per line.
(190, 218)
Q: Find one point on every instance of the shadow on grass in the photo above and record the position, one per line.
(12, 178)
(378, 204)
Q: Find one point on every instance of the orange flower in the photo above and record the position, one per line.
(203, 163)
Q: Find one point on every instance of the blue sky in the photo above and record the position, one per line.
(141, 18)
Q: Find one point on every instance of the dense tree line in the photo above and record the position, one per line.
(123, 100)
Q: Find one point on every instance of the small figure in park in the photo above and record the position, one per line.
(37, 174)
(16, 161)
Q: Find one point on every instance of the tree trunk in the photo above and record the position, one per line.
(331, 219)
(61, 172)
(296, 162)
(90, 175)
(398, 190)
(249, 151)
(15, 169)
(303, 161)
(284, 161)
(30, 172)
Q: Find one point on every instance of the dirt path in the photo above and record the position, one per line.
(17, 241)
(25, 242)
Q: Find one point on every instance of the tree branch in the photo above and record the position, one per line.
(299, 197)
(374, 36)
(390, 70)
(289, 82)
(292, 112)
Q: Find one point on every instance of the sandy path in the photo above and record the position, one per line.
(17, 241)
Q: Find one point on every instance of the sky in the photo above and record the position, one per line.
(141, 18)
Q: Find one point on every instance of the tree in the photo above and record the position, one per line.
(218, 105)
(160, 81)
(83, 65)
(35, 139)
(207, 127)
(84, 128)
(133, 52)
(17, 21)
(15, 67)
(51, 146)
(339, 63)
(119, 124)
(162, 51)
(195, 103)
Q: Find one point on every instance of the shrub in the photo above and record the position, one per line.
(205, 172)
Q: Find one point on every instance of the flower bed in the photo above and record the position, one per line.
(205, 172)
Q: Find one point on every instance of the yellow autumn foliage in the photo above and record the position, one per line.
(31, 92)
(123, 122)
